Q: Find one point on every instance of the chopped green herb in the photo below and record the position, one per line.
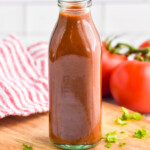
(103, 137)
(122, 144)
(137, 116)
(121, 122)
(122, 132)
(108, 145)
(111, 137)
(128, 116)
(25, 147)
(141, 133)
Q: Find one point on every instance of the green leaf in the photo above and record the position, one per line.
(127, 116)
(122, 144)
(111, 137)
(122, 132)
(141, 133)
(108, 145)
(121, 122)
(103, 137)
(137, 116)
(25, 147)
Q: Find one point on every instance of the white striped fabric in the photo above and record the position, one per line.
(23, 78)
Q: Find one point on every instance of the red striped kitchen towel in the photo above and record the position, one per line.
(23, 78)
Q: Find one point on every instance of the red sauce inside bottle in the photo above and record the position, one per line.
(75, 79)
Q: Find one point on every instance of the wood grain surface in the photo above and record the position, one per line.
(33, 131)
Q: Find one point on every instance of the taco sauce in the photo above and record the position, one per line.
(75, 79)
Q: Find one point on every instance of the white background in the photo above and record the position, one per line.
(33, 20)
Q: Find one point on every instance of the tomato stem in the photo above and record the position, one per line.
(147, 56)
(139, 57)
(133, 49)
(109, 47)
(125, 45)
(139, 52)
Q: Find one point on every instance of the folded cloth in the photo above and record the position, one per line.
(23, 78)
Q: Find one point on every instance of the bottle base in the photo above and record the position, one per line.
(74, 147)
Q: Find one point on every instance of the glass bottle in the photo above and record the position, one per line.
(75, 78)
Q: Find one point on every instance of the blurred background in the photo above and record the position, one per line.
(33, 20)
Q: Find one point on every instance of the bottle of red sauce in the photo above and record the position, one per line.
(75, 78)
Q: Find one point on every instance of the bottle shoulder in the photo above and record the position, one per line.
(80, 38)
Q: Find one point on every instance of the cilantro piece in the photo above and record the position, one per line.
(122, 132)
(122, 144)
(111, 137)
(141, 133)
(103, 137)
(108, 145)
(121, 122)
(137, 116)
(127, 116)
(25, 147)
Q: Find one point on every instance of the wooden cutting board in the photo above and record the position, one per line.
(33, 131)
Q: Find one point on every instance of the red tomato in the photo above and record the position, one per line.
(130, 85)
(109, 62)
(145, 44)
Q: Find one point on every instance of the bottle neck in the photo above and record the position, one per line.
(75, 7)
